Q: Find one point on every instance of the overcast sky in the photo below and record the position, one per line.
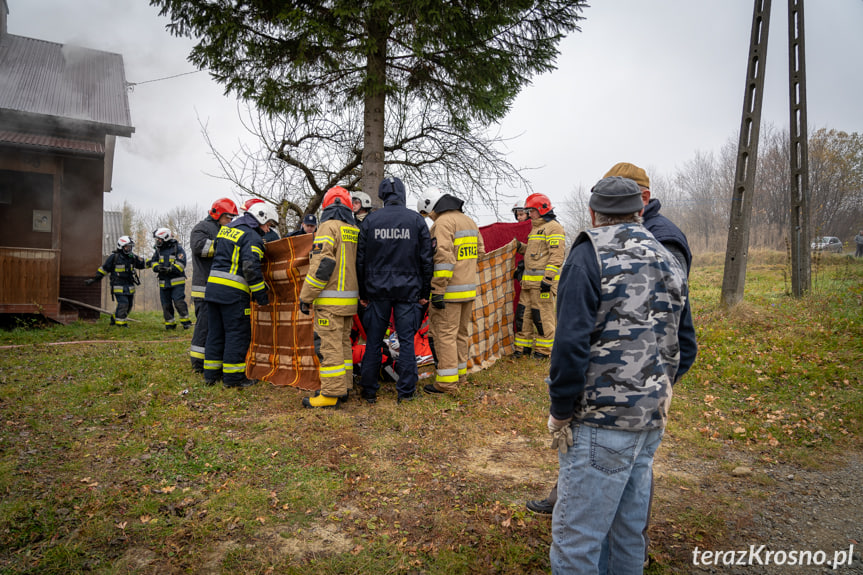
(644, 82)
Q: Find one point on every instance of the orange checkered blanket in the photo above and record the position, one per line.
(282, 350)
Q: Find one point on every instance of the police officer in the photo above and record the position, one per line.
(543, 256)
(169, 263)
(234, 276)
(331, 286)
(394, 269)
(309, 226)
(457, 244)
(121, 265)
(203, 247)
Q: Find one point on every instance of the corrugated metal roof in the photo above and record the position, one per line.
(112, 229)
(39, 77)
(52, 143)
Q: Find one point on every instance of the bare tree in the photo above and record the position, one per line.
(298, 160)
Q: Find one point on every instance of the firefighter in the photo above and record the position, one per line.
(203, 247)
(543, 256)
(121, 265)
(235, 275)
(271, 235)
(457, 245)
(331, 287)
(169, 264)
(519, 212)
(361, 204)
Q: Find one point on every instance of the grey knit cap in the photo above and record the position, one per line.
(615, 195)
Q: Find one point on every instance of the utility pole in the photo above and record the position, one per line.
(799, 232)
(737, 250)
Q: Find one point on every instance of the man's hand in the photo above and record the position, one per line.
(305, 308)
(561, 433)
(89, 281)
(262, 297)
(437, 300)
(545, 285)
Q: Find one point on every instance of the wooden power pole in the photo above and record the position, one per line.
(737, 251)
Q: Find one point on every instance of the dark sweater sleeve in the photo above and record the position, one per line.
(577, 305)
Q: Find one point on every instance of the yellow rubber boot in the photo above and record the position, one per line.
(321, 401)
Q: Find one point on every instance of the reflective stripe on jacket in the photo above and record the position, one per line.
(543, 253)
(332, 278)
(457, 246)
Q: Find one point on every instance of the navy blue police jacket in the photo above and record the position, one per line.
(394, 254)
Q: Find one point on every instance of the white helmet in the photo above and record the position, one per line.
(162, 235)
(428, 200)
(518, 206)
(365, 200)
(125, 241)
(264, 213)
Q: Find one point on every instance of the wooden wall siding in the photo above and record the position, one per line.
(31, 277)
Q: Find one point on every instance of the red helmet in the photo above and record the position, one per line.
(337, 194)
(538, 201)
(221, 207)
(251, 202)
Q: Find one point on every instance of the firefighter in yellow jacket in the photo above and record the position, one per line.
(457, 245)
(331, 286)
(543, 256)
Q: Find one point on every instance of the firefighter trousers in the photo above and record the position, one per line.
(174, 297)
(337, 361)
(535, 321)
(448, 327)
(124, 306)
(229, 334)
(199, 336)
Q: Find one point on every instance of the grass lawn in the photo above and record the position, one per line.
(116, 458)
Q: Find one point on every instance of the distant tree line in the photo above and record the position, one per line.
(697, 195)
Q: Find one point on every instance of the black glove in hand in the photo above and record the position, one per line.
(437, 301)
(305, 308)
(89, 281)
(262, 297)
(519, 271)
(544, 286)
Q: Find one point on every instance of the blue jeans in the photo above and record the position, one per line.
(603, 492)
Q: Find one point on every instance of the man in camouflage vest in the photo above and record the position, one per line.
(615, 358)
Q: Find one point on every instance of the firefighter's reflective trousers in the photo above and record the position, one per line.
(535, 321)
(229, 334)
(199, 336)
(337, 362)
(448, 327)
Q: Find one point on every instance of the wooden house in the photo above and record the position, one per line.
(61, 108)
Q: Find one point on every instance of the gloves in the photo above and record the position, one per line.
(437, 300)
(519, 271)
(561, 433)
(163, 268)
(305, 308)
(90, 281)
(262, 297)
(544, 286)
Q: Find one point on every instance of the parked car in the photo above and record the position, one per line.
(827, 244)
